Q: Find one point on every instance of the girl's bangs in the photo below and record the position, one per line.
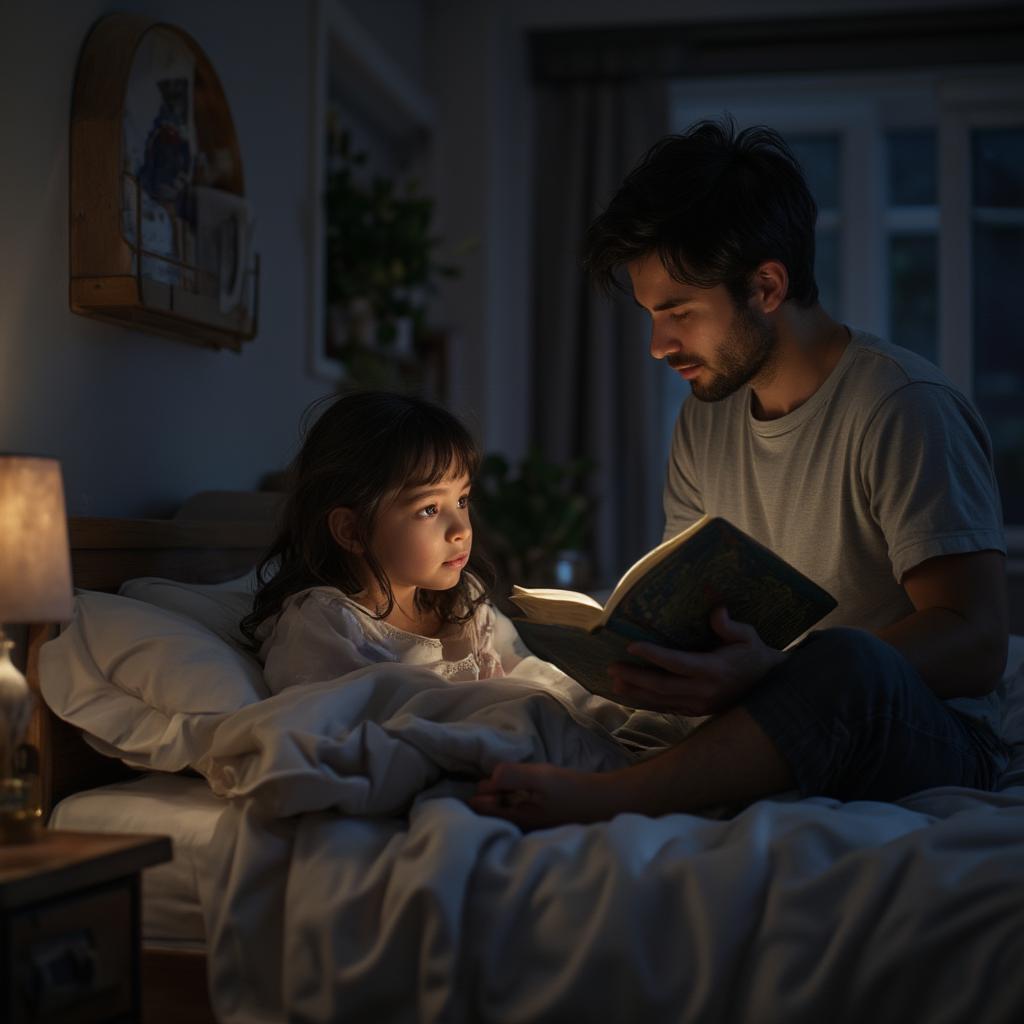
(435, 454)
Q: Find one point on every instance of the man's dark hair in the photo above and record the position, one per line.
(713, 204)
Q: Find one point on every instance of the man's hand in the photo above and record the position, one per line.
(692, 684)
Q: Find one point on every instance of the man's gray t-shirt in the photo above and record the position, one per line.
(883, 467)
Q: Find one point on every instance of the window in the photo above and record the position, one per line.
(911, 230)
(359, 91)
(997, 248)
(919, 180)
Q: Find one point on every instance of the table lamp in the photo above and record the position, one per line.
(35, 586)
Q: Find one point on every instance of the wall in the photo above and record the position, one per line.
(397, 26)
(141, 422)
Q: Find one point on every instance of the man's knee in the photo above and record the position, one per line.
(850, 668)
(857, 648)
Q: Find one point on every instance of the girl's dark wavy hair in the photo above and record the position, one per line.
(713, 204)
(363, 446)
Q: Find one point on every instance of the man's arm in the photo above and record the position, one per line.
(957, 636)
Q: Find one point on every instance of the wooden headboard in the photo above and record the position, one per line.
(105, 553)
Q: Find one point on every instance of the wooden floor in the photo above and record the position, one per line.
(174, 989)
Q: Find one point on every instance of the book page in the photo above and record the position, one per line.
(571, 608)
(643, 565)
(567, 607)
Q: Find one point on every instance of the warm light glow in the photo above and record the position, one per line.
(35, 567)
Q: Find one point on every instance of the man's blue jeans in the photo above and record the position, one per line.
(855, 721)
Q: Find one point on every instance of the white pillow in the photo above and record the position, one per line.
(144, 684)
(218, 606)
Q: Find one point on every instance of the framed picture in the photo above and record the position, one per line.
(160, 227)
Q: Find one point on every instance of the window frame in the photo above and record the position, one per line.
(350, 68)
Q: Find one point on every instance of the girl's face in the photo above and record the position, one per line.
(422, 537)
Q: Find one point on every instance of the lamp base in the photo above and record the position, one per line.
(21, 818)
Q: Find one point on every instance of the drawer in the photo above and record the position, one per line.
(72, 960)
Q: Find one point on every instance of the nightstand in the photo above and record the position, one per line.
(69, 927)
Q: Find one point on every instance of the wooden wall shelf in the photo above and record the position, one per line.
(160, 229)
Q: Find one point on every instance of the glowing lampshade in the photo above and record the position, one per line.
(35, 586)
(35, 567)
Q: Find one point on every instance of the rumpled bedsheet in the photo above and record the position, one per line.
(349, 881)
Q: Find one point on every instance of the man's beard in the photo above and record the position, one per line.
(747, 349)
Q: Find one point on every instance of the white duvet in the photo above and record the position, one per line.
(349, 881)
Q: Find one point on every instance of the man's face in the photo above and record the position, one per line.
(700, 332)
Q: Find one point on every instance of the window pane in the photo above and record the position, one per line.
(819, 158)
(998, 177)
(999, 355)
(998, 190)
(826, 270)
(911, 168)
(913, 290)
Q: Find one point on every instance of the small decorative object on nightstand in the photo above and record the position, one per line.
(35, 586)
(69, 926)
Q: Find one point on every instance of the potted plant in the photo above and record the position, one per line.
(535, 520)
(381, 265)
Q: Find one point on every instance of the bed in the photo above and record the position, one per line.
(326, 867)
(215, 537)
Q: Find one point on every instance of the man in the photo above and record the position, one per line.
(855, 460)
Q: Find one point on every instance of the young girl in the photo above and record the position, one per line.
(370, 563)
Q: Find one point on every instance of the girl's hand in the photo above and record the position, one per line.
(696, 684)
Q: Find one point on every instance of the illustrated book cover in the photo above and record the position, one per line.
(666, 598)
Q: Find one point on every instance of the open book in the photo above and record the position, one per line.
(666, 598)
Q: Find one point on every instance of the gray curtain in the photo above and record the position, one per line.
(595, 385)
